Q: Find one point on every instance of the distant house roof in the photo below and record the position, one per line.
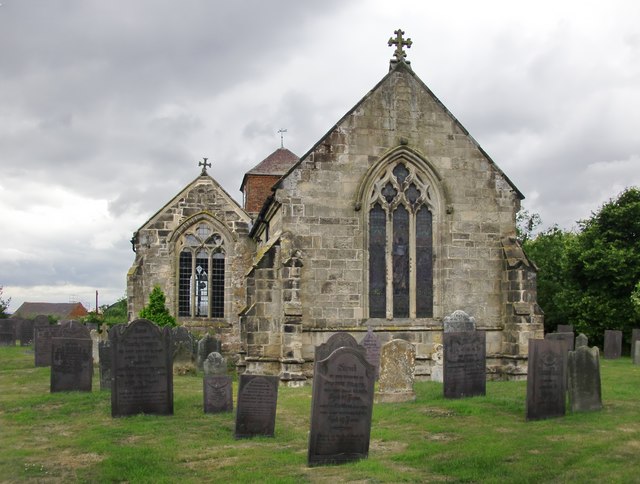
(277, 163)
(30, 310)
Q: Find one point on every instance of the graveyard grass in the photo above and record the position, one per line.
(66, 437)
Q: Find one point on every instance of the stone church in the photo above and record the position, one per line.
(392, 220)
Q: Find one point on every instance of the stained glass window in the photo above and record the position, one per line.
(377, 264)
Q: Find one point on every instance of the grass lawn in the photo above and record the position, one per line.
(71, 436)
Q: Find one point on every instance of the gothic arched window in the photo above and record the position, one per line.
(201, 273)
(400, 244)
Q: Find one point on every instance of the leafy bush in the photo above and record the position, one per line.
(156, 310)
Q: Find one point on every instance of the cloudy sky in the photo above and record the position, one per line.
(107, 106)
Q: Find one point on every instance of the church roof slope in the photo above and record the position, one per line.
(277, 163)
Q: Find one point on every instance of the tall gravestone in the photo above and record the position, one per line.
(635, 336)
(42, 343)
(397, 368)
(7, 332)
(207, 345)
(104, 363)
(257, 402)
(567, 337)
(464, 364)
(217, 385)
(142, 373)
(341, 408)
(612, 344)
(546, 379)
(372, 346)
(26, 332)
(71, 361)
(584, 387)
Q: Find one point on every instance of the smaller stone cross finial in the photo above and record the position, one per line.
(204, 165)
(399, 42)
(282, 131)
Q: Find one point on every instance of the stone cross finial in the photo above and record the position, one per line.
(204, 166)
(399, 42)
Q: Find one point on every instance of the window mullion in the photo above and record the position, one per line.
(412, 265)
(192, 291)
(389, 260)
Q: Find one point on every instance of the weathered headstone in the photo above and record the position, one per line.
(458, 321)
(335, 341)
(26, 332)
(257, 402)
(341, 408)
(397, 368)
(215, 364)
(567, 338)
(371, 344)
(207, 345)
(635, 336)
(612, 344)
(42, 343)
(95, 339)
(184, 362)
(71, 361)
(546, 379)
(104, 360)
(142, 376)
(464, 364)
(437, 372)
(582, 340)
(636, 355)
(180, 334)
(217, 386)
(584, 388)
(7, 332)
(564, 328)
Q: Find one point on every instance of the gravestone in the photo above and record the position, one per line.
(567, 338)
(581, 340)
(104, 362)
(7, 332)
(584, 388)
(437, 372)
(464, 364)
(95, 339)
(546, 379)
(141, 371)
(397, 368)
(26, 332)
(181, 335)
(371, 345)
(217, 386)
(71, 361)
(341, 408)
(335, 341)
(564, 328)
(636, 355)
(257, 401)
(207, 345)
(184, 362)
(635, 336)
(458, 321)
(42, 343)
(612, 344)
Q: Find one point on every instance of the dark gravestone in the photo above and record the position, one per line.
(141, 371)
(207, 345)
(7, 332)
(26, 332)
(584, 388)
(335, 341)
(104, 361)
(257, 401)
(341, 408)
(458, 321)
(371, 345)
(546, 379)
(564, 328)
(635, 336)
(181, 336)
(567, 338)
(71, 361)
(612, 344)
(42, 343)
(218, 394)
(464, 364)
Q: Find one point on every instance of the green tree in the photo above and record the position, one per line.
(635, 298)
(117, 312)
(156, 310)
(4, 305)
(526, 224)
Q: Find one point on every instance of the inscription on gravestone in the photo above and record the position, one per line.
(464, 364)
(71, 362)
(142, 377)
(371, 344)
(42, 343)
(341, 408)
(458, 321)
(104, 358)
(584, 388)
(257, 401)
(217, 391)
(397, 368)
(612, 344)
(546, 379)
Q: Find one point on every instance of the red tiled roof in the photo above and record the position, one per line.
(277, 163)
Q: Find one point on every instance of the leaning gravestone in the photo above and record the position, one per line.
(464, 364)
(142, 377)
(341, 408)
(217, 386)
(42, 343)
(7, 332)
(584, 388)
(335, 341)
(104, 361)
(612, 344)
(257, 401)
(458, 321)
(635, 336)
(26, 332)
(546, 379)
(71, 361)
(397, 368)
(207, 345)
(567, 338)
(371, 344)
